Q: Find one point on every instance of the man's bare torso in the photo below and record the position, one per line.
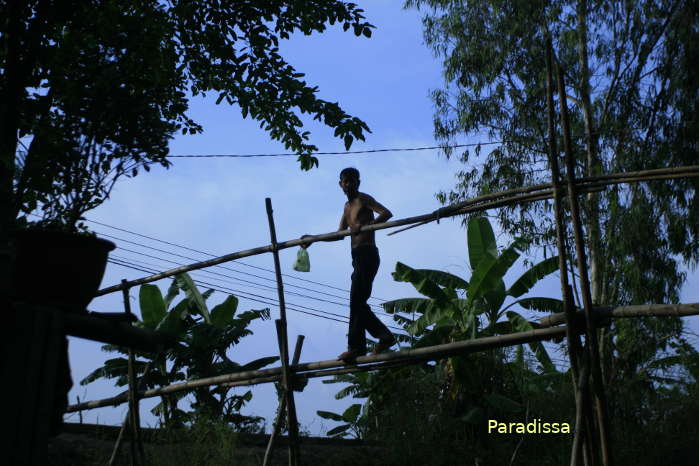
(358, 213)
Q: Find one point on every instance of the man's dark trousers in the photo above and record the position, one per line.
(365, 261)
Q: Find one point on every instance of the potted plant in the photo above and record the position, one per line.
(57, 261)
(58, 267)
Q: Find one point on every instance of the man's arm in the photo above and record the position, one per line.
(383, 213)
(343, 226)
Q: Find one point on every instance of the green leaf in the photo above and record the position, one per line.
(329, 415)
(503, 403)
(172, 292)
(481, 241)
(444, 316)
(473, 416)
(444, 279)
(338, 430)
(222, 314)
(520, 324)
(420, 281)
(542, 304)
(172, 323)
(352, 413)
(153, 308)
(259, 363)
(207, 293)
(494, 299)
(406, 305)
(185, 282)
(491, 271)
(532, 276)
(113, 368)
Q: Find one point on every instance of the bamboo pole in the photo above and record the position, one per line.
(444, 212)
(538, 195)
(412, 355)
(135, 422)
(643, 310)
(578, 438)
(127, 418)
(116, 333)
(282, 406)
(591, 331)
(283, 345)
(575, 350)
(288, 398)
(324, 373)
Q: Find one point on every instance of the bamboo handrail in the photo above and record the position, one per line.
(444, 212)
(642, 310)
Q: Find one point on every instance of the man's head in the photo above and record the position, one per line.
(349, 180)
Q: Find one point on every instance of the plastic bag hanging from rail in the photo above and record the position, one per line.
(303, 262)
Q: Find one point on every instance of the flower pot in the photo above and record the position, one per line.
(58, 269)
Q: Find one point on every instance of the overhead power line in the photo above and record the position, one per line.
(251, 296)
(247, 282)
(348, 152)
(214, 255)
(242, 294)
(229, 269)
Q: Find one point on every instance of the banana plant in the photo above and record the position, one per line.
(354, 420)
(204, 336)
(454, 308)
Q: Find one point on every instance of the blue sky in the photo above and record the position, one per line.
(217, 204)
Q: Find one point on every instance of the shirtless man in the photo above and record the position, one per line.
(359, 211)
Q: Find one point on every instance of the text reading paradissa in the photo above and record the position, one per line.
(536, 426)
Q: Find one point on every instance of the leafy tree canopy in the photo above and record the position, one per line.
(632, 94)
(112, 79)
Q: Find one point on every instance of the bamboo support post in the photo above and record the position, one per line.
(282, 406)
(288, 397)
(137, 453)
(127, 419)
(283, 345)
(578, 438)
(575, 350)
(591, 331)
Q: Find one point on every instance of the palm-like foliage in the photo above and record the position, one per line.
(454, 308)
(204, 337)
(355, 417)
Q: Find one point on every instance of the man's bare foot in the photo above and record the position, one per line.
(382, 346)
(349, 356)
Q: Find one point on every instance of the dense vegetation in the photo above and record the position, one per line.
(438, 413)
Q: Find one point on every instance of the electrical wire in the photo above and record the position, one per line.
(232, 270)
(348, 152)
(214, 255)
(251, 296)
(248, 282)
